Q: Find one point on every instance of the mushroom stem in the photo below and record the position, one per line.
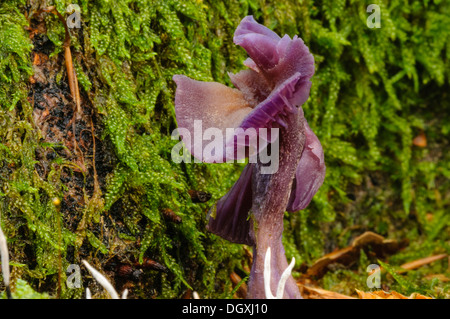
(270, 198)
(278, 265)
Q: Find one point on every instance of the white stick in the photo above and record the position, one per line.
(267, 275)
(102, 280)
(88, 294)
(284, 277)
(5, 258)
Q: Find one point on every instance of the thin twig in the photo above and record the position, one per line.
(71, 73)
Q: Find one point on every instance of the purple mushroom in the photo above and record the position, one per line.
(268, 95)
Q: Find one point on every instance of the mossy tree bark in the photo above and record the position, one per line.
(374, 91)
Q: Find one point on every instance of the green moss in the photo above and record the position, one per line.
(14, 49)
(24, 291)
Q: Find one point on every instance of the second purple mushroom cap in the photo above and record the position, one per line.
(269, 94)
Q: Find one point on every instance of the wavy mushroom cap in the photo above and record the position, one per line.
(277, 82)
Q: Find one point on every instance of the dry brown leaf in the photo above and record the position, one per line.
(242, 290)
(420, 140)
(380, 294)
(39, 58)
(367, 238)
(350, 254)
(441, 277)
(342, 256)
(319, 293)
(372, 295)
(416, 295)
(423, 261)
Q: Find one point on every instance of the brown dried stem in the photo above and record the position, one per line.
(71, 73)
